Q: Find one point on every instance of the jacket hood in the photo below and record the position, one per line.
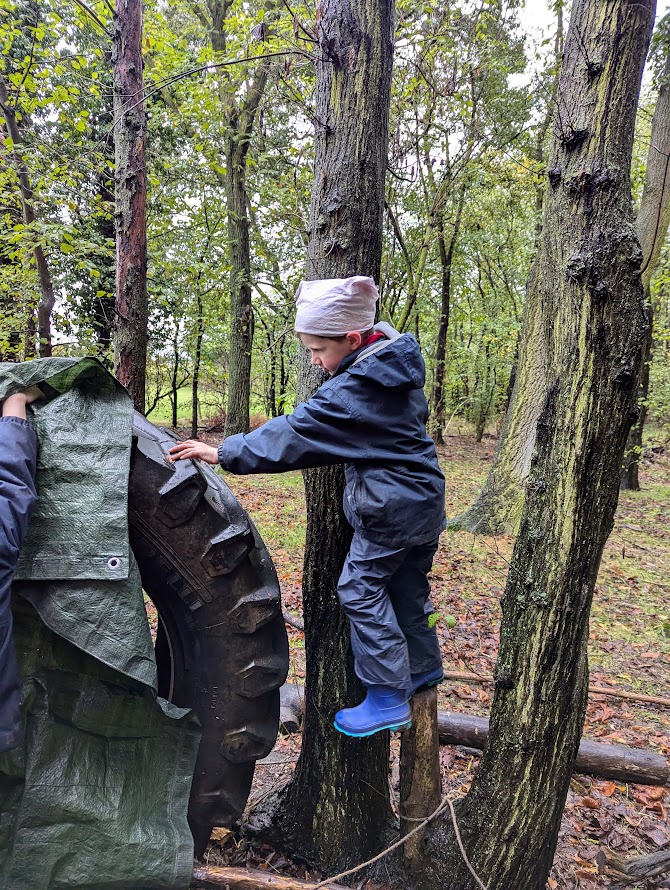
(399, 365)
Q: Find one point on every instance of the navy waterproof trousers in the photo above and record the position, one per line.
(18, 456)
(385, 593)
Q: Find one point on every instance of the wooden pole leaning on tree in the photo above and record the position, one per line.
(420, 779)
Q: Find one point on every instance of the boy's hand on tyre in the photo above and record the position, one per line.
(191, 449)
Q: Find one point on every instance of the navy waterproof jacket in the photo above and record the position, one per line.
(18, 456)
(371, 416)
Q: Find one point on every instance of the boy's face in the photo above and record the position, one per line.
(328, 353)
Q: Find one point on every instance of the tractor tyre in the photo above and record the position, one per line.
(221, 647)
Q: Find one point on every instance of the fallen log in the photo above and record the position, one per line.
(594, 758)
(653, 865)
(249, 879)
(293, 620)
(291, 703)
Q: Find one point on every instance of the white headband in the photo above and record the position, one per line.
(334, 306)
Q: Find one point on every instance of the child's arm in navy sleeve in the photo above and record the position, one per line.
(18, 457)
(318, 433)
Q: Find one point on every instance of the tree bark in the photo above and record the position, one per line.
(630, 474)
(47, 299)
(340, 784)
(652, 223)
(241, 315)
(239, 121)
(420, 778)
(446, 262)
(131, 308)
(587, 275)
(200, 333)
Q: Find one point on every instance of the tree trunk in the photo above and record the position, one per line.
(283, 378)
(446, 262)
(499, 504)
(546, 122)
(587, 275)
(630, 474)
(240, 120)
(420, 777)
(337, 803)
(103, 306)
(593, 758)
(249, 879)
(241, 316)
(174, 381)
(131, 309)
(200, 331)
(47, 298)
(652, 223)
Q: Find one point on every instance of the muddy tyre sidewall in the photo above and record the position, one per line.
(221, 648)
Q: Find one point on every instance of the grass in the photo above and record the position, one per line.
(209, 404)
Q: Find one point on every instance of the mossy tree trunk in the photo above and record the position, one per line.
(499, 505)
(337, 803)
(130, 178)
(587, 276)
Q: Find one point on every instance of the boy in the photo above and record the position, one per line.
(371, 416)
(18, 457)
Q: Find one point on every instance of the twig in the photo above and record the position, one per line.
(87, 9)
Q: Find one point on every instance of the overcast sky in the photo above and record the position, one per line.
(535, 16)
(538, 22)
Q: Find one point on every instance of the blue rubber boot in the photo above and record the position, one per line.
(382, 708)
(430, 678)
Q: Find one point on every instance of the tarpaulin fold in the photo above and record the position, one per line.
(97, 798)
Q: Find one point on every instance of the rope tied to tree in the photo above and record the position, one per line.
(444, 803)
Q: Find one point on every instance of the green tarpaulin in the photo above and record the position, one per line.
(98, 797)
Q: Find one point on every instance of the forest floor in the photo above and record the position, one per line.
(629, 649)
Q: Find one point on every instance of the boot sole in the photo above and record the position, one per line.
(407, 724)
(431, 685)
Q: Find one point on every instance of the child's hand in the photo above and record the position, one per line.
(32, 394)
(15, 405)
(194, 450)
